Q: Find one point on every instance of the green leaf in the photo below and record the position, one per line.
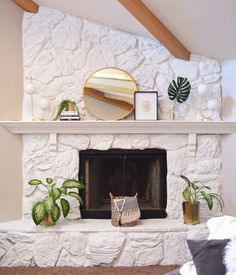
(62, 107)
(65, 207)
(63, 190)
(73, 184)
(55, 193)
(56, 213)
(186, 194)
(49, 180)
(186, 180)
(179, 89)
(77, 196)
(195, 186)
(38, 212)
(206, 187)
(34, 182)
(208, 199)
(219, 200)
(49, 204)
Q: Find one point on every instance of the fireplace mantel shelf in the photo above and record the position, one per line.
(119, 127)
(53, 128)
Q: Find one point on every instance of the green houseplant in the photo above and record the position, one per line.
(66, 105)
(179, 91)
(193, 193)
(47, 211)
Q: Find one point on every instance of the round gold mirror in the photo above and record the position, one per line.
(109, 94)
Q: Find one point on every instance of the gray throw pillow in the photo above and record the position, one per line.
(208, 256)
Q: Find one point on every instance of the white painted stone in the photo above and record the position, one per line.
(158, 55)
(80, 142)
(122, 141)
(198, 232)
(80, 55)
(139, 141)
(118, 42)
(130, 60)
(211, 78)
(145, 75)
(33, 143)
(205, 167)
(177, 161)
(209, 66)
(75, 247)
(148, 44)
(148, 247)
(18, 237)
(208, 147)
(47, 18)
(93, 32)
(175, 247)
(67, 259)
(168, 142)
(80, 244)
(166, 70)
(100, 142)
(46, 250)
(185, 69)
(94, 61)
(127, 257)
(103, 248)
(162, 84)
(19, 254)
(67, 34)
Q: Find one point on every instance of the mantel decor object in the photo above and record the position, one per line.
(146, 106)
(193, 193)
(178, 92)
(109, 94)
(208, 106)
(124, 210)
(67, 110)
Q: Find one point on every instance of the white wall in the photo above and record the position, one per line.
(229, 142)
(11, 92)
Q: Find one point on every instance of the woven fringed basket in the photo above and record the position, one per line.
(121, 218)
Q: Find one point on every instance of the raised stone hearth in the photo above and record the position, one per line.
(96, 242)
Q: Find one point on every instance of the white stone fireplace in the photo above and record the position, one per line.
(60, 52)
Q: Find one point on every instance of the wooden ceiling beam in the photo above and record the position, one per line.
(27, 5)
(149, 20)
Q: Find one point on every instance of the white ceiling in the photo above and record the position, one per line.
(205, 27)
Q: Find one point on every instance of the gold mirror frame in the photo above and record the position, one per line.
(109, 93)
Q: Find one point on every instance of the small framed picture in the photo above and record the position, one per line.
(146, 105)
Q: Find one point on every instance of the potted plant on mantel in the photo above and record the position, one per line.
(47, 212)
(193, 193)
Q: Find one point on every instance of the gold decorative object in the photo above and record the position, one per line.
(109, 94)
(191, 213)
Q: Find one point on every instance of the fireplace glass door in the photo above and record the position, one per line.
(124, 173)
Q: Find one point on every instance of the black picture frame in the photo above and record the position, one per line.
(148, 108)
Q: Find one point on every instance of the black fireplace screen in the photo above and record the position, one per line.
(124, 173)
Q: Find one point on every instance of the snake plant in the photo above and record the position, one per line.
(179, 89)
(195, 191)
(47, 211)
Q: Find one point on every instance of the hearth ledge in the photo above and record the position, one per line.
(95, 225)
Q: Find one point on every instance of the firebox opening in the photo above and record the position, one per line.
(123, 172)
